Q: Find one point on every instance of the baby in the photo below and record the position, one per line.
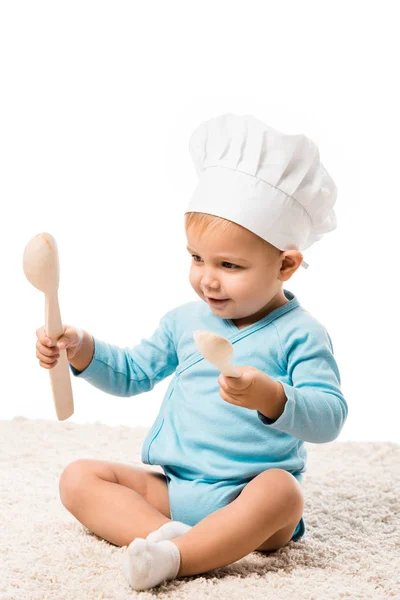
(231, 449)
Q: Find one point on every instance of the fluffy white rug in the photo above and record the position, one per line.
(350, 549)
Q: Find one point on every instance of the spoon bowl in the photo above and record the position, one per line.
(217, 350)
(40, 263)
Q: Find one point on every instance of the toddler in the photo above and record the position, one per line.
(231, 449)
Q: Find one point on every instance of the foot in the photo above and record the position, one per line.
(168, 531)
(148, 564)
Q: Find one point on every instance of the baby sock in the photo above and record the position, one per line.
(168, 531)
(148, 564)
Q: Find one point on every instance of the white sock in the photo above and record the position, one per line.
(148, 564)
(168, 531)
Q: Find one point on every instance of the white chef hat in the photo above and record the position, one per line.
(271, 183)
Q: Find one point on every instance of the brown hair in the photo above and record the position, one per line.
(204, 221)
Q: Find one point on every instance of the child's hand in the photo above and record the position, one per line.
(48, 352)
(253, 389)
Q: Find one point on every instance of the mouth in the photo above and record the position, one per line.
(217, 302)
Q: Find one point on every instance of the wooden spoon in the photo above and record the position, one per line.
(217, 350)
(41, 268)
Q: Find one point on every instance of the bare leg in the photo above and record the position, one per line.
(117, 514)
(271, 502)
(111, 510)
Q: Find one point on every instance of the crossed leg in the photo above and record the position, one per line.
(121, 503)
(263, 517)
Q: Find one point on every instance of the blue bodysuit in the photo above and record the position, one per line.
(208, 448)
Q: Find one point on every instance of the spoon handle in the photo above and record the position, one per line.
(59, 375)
(229, 370)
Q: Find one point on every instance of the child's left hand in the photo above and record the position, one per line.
(253, 389)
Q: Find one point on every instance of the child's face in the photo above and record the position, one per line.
(237, 267)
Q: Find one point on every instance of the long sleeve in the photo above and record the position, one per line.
(315, 410)
(132, 371)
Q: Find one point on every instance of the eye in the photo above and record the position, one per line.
(194, 256)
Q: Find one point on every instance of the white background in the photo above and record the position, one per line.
(97, 104)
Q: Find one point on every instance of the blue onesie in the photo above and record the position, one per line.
(208, 448)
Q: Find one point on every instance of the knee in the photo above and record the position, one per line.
(72, 480)
(286, 487)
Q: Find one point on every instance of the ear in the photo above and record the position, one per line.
(292, 260)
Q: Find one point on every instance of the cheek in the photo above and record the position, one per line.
(193, 278)
(244, 286)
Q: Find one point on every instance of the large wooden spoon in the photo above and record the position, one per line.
(41, 268)
(217, 350)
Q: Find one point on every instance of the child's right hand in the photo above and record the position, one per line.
(48, 354)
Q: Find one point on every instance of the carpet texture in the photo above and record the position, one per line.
(351, 548)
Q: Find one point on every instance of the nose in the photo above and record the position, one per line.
(209, 282)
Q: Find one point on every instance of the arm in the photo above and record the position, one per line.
(273, 397)
(127, 371)
(312, 407)
(84, 357)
